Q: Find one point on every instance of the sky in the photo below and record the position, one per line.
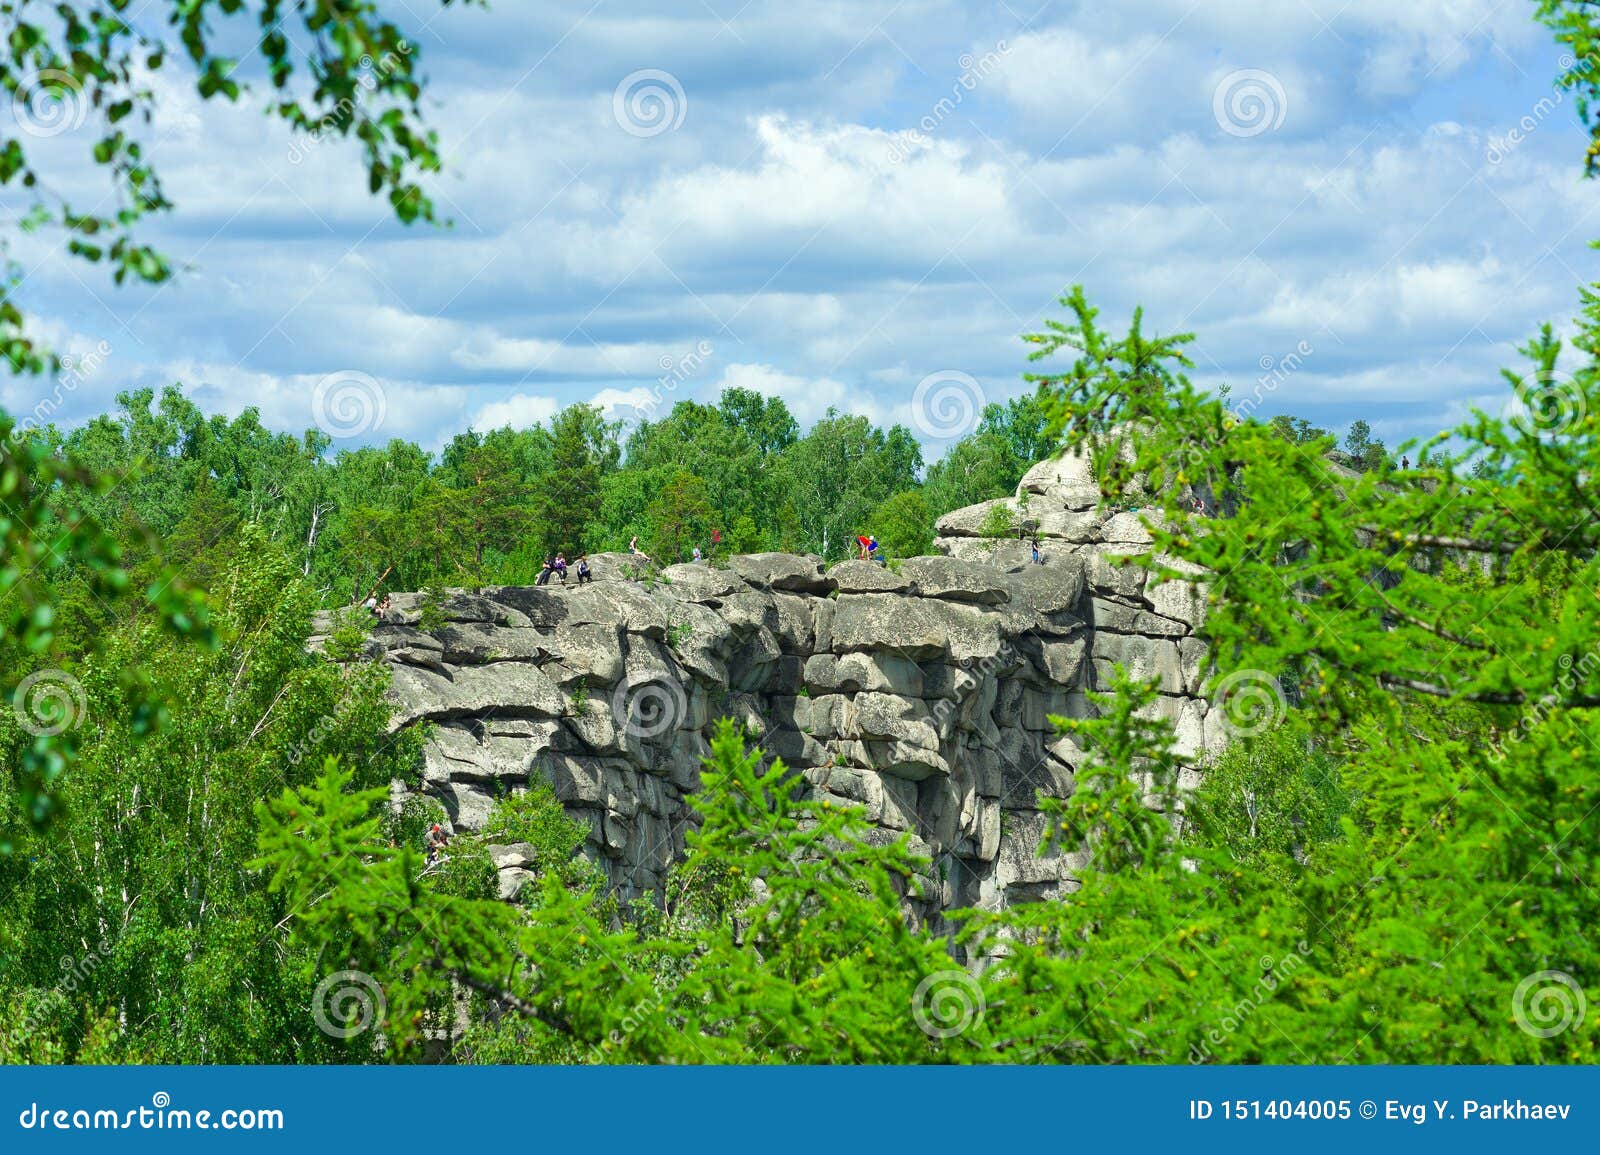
(862, 206)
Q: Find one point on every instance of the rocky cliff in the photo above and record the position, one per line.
(921, 692)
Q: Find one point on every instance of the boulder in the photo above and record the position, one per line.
(513, 689)
(888, 717)
(511, 882)
(1058, 662)
(1115, 572)
(910, 626)
(971, 635)
(700, 583)
(1054, 589)
(867, 577)
(617, 603)
(1129, 528)
(1193, 656)
(468, 808)
(977, 520)
(515, 854)
(1006, 554)
(1121, 618)
(477, 643)
(782, 571)
(1064, 469)
(460, 606)
(905, 760)
(1180, 600)
(1039, 706)
(955, 580)
(885, 672)
(1142, 657)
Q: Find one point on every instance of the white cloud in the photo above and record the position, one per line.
(808, 398)
(833, 260)
(1076, 84)
(638, 402)
(520, 411)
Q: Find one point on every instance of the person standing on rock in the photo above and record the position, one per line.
(583, 569)
(1037, 560)
(435, 843)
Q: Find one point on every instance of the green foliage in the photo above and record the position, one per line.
(834, 478)
(988, 464)
(1469, 734)
(141, 880)
(1271, 802)
(351, 629)
(680, 518)
(998, 522)
(1365, 452)
(1296, 430)
(534, 816)
(430, 608)
(410, 824)
(578, 698)
(50, 538)
(904, 525)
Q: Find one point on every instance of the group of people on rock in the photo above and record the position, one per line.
(556, 565)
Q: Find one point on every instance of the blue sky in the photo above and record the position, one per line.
(808, 219)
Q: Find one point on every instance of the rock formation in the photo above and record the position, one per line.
(921, 692)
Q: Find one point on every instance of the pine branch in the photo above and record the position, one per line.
(1483, 697)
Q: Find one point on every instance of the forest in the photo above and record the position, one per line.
(1397, 866)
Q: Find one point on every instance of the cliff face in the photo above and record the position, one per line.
(921, 693)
